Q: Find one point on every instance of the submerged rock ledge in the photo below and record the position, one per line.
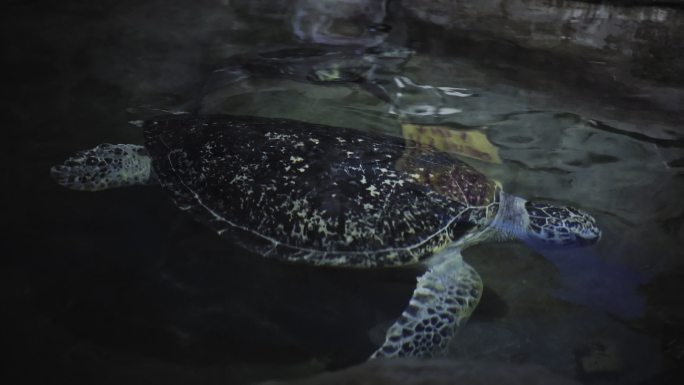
(442, 371)
(649, 37)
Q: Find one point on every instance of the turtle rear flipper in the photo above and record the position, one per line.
(105, 166)
(445, 297)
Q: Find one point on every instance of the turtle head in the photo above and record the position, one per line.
(560, 225)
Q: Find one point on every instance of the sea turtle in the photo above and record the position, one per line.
(324, 195)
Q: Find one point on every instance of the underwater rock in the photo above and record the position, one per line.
(339, 22)
(435, 372)
(599, 358)
(649, 37)
(332, 22)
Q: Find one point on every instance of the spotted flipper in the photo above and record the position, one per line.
(445, 297)
(105, 166)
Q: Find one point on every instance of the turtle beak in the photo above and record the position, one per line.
(586, 230)
(589, 237)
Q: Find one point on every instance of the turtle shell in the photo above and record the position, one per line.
(318, 194)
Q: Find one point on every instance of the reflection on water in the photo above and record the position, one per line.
(377, 70)
(366, 67)
(471, 143)
(413, 100)
(122, 281)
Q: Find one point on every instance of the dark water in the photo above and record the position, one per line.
(120, 287)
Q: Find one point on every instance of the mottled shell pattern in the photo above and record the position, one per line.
(318, 194)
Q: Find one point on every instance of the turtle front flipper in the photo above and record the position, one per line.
(105, 166)
(445, 297)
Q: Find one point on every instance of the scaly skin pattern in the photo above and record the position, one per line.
(443, 300)
(560, 225)
(103, 167)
